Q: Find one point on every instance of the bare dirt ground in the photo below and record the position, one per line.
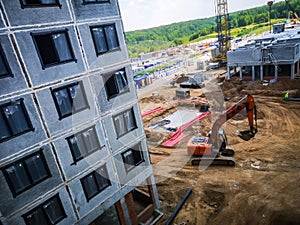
(264, 186)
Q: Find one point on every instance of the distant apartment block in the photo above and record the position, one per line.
(274, 56)
(72, 144)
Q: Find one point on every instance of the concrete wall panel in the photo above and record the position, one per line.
(54, 124)
(112, 104)
(72, 169)
(19, 17)
(244, 56)
(107, 59)
(82, 204)
(2, 23)
(123, 141)
(14, 145)
(88, 11)
(10, 204)
(283, 53)
(124, 176)
(33, 64)
(67, 205)
(17, 81)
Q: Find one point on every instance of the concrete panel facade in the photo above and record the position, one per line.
(14, 204)
(18, 17)
(127, 176)
(17, 219)
(36, 83)
(2, 23)
(106, 105)
(16, 82)
(40, 76)
(116, 142)
(85, 206)
(71, 168)
(252, 55)
(104, 60)
(284, 53)
(50, 113)
(87, 11)
(35, 137)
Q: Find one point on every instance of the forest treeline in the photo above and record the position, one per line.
(162, 37)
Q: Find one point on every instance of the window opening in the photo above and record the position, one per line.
(54, 48)
(132, 157)
(83, 143)
(26, 173)
(105, 38)
(70, 99)
(95, 182)
(124, 122)
(49, 213)
(116, 83)
(14, 120)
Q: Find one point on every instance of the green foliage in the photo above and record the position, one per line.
(158, 38)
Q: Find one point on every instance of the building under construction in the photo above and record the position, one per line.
(274, 56)
(73, 147)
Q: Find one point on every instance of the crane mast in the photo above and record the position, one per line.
(223, 29)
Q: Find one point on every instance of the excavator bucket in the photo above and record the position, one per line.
(246, 135)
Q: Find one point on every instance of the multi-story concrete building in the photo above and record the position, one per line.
(72, 145)
(275, 56)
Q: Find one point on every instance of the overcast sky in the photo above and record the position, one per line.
(140, 14)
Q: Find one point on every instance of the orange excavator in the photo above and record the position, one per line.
(213, 149)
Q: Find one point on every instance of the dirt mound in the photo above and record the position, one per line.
(152, 99)
(233, 88)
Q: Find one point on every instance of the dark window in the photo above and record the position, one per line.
(49, 213)
(95, 1)
(105, 38)
(95, 182)
(39, 3)
(26, 173)
(4, 68)
(132, 157)
(54, 48)
(14, 120)
(116, 83)
(70, 99)
(83, 143)
(124, 122)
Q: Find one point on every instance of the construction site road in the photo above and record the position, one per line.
(155, 85)
(264, 186)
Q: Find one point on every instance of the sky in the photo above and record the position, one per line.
(142, 14)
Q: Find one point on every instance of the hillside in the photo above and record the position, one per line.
(162, 37)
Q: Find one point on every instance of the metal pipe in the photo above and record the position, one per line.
(178, 207)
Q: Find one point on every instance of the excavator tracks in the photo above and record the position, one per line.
(208, 161)
(228, 151)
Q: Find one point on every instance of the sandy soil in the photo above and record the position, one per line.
(263, 187)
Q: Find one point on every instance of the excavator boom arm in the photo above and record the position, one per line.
(246, 102)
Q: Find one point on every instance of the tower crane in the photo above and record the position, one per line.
(223, 29)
